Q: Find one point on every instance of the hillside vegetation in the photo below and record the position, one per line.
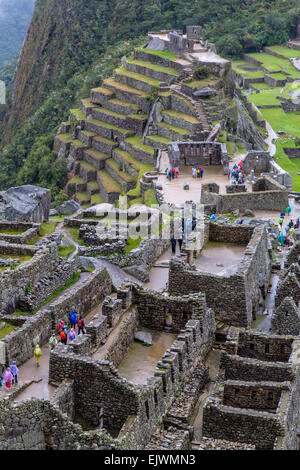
(68, 41)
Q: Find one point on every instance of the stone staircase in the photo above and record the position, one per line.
(103, 141)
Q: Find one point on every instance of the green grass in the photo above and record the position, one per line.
(238, 65)
(137, 76)
(6, 330)
(198, 84)
(281, 121)
(178, 130)
(184, 117)
(132, 244)
(9, 231)
(292, 166)
(149, 65)
(136, 141)
(74, 232)
(65, 137)
(163, 54)
(75, 278)
(136, 191)
(149, 197)
(285, 51)
(266, 97)
(275, 64)
(66, 251)
(22, 259)
(97, 199)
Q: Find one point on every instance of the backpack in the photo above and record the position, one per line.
(80, 323)
(63, 335)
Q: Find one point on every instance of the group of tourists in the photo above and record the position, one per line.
(10, 376)
(285, 239)
(197, 172)
(172, 173)
(64, 334)
(237, 174)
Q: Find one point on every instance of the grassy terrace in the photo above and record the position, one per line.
(275, 64)
(110, 82)
(198, 84)
(184, 117)
(285, 51)
(149, 65)
(122, 174)
(137, 76)
(110, 185)
(6, 329)
(266, 97)
(21, 259)
(246, 69)
(79, 114)
(136, 141)
(179, 130)
(163, 54)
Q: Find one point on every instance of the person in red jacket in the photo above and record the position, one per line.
(80, 325)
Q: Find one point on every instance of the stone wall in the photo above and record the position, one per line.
(29, 232)
(239, 368)
(255, 395)
(270, 348)
(46, 286)
(14, 283)
(236, 424)
(198, 154)
(234, 298)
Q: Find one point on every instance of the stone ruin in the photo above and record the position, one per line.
(25, 204)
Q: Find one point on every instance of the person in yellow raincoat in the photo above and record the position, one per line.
(37, 354)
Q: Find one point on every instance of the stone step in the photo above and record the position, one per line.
(87, 105)
(87, 171)
(135, 80)
(104, 145)
(123, 178)
(101, 95)
(171, 132)
(92, 188)
(86, 137)
(75, 185)
(127, 162)
(157, 141)
(184, 121)
(157, 72)
(127, 93)
(153, 57)
(136, 148)
(83, 198)
(122, 107)
(134, 122)
(95, 158)
(110, 189)
(107, 130)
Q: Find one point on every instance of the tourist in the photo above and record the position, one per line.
(287, 229)
(292, 232)
(291, 224)
(198, 172)
(213, 217)
(288, 210)
(72, 335)
(52, 342)
(167, 173)
(73, 318)
(177, 172)
(15, 372)
(281, 239)
(201, 173)
(280, 222)
(0, 383)
(60, 326)
(297, 224)
(38, 355)
(63, 337)
(7, 378)
(282, 215)
(194, 172)
(180, 243)
(173, 243)
(81, 325)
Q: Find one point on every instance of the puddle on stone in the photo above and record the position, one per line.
(140, 361)
(220, 258)
(29, 371)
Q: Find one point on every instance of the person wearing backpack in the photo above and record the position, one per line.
(73, 318)
(63, 337)
(81, 325)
